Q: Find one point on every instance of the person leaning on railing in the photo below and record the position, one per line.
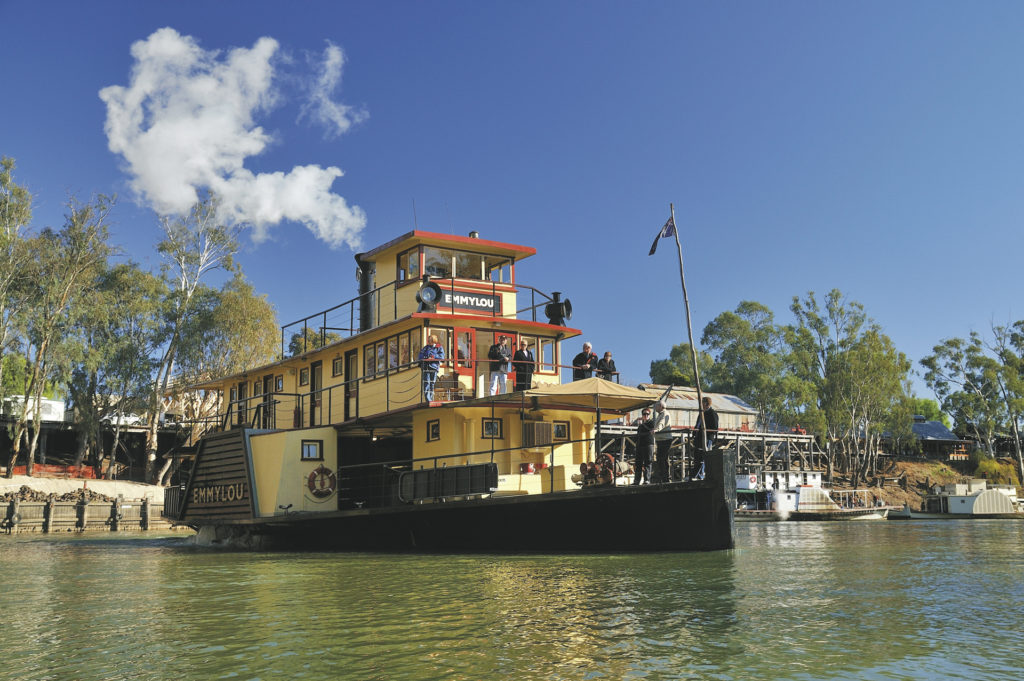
(429, 357)
(606, 366)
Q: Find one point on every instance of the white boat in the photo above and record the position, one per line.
(962, 500)
(799, 495)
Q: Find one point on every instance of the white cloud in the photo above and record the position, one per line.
(186, 122)
(338, 118)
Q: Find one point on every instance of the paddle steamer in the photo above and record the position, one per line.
(339, 446)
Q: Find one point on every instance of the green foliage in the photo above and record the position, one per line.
(234, 329)
(995, 471)
(313, 339)
(929, 409)
(749, 358)
(678, 368)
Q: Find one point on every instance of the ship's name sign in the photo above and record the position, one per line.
(215, 494)
(469, 301)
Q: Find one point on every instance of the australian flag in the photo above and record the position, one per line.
(668, 230)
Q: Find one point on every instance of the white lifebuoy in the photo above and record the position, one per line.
(753, 479)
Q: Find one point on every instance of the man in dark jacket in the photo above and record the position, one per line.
(500, 364)
(583, 364)
(523, 364)
(644, 447)
(709, 420)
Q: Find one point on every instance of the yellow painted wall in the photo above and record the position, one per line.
(281, 475)
(461, 431)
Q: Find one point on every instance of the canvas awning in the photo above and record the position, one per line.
(590, 393)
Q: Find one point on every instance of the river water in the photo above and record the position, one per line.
(855, 600)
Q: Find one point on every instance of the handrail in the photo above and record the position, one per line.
(372, 295)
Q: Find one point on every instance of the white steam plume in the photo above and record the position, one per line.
(185, 123)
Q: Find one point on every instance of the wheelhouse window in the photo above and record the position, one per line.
(312, 450)
(337, 366)
(409, 265)
(560, 430)
(279, 383)
(437, 262)
(498, 269)
(433, 430)
(304, 376)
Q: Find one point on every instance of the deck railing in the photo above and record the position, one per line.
(345, 318)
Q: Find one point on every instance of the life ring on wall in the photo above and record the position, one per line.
(322, 482)
(753, 479)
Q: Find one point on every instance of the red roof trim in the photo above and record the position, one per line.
(514, 250)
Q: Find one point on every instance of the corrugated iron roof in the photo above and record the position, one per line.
(933, 430)
(686, 398)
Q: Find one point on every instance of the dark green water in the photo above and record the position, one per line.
(858, 600)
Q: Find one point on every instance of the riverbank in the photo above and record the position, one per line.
(905, 482)
(49, 505)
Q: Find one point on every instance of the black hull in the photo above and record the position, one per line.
(678, 516)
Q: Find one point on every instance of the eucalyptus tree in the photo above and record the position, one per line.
(819, 342)
(194, 245)
(62, 267)
(875, 387)
(1008, 370)
(115, 373)
(678, 368)
(962, 378)
(859, 377)
(749, 352)
(233, 329)
(15, 215)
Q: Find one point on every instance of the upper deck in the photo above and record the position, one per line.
(358, 359)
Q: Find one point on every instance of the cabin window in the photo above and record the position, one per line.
(371, 364)
(403, 349)
(491, 429)
(279, 383)
(409, 264)
(464, 339)
(560, 430)
(433, 430)
(546, 357)
(304, 376)
(437, 262)
(393, 352)
(257, 388)
(337, 366)
(312, 450)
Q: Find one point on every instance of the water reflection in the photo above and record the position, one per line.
(796, 600)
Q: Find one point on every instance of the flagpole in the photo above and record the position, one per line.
(689, 331)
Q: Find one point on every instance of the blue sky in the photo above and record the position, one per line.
(874, 147)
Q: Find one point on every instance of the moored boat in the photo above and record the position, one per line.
(352, 444)
(799, 495)
(974, 499)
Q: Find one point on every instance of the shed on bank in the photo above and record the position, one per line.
(681, 403)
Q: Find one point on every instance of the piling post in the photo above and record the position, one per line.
(115, 515)
(82, 512)
(144, 520)
(48, 514)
